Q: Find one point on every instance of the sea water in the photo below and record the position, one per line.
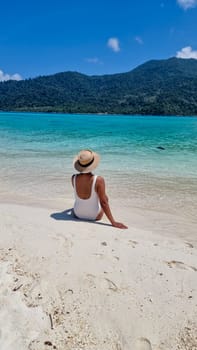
(148, 162)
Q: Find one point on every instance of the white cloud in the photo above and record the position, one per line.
(187, 52)
(139, 40)
(5, 76)
(186, 4)
(94, 60)
(113, 43)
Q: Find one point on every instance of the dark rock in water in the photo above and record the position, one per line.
(160, 147)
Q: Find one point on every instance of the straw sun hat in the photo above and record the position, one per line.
(86, 161)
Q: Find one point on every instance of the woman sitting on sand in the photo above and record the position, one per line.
(91, 201)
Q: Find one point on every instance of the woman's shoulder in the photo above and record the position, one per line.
(98, 177)
(72, 178)
(99, 180)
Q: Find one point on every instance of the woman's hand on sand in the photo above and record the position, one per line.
(119, 225)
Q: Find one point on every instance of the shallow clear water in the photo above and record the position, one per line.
(36, 152)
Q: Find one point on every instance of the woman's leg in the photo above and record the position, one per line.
(100, 215)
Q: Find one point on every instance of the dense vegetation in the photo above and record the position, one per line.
(158, 87)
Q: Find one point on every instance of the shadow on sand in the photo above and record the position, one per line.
(67, 215)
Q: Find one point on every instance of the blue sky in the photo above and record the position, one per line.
(92, 37)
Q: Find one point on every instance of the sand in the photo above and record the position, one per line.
(67, 284)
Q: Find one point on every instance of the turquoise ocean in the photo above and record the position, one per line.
(149, 162)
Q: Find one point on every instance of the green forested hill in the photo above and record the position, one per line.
(163, 87)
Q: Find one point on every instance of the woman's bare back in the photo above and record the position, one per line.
(84, 185)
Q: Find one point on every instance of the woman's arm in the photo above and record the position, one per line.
(100, 189)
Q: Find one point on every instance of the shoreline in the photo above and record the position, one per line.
(170, 224)
(139, 284)
(101, 114)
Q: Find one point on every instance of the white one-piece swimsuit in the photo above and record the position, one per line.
(89, 208)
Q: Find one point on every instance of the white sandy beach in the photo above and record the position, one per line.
(67, 284)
